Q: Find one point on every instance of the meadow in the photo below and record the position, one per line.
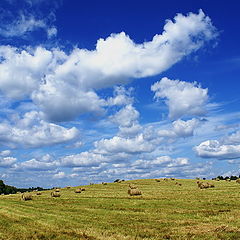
(106, 212)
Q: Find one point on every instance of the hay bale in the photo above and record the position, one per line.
(78, 190)
(179, 184)
(157, 180)
(68, 187)
(26, 196)
(55, 194)
(210, 185)
(57, 190)
(134, 192)
(172, 179)
(202, 185)
(132, 186)
(104, 183)
(83, 189)
(238, 180)
(38, 193)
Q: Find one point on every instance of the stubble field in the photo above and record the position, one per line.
(164, 211)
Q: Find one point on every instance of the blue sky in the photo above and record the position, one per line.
(92, 91)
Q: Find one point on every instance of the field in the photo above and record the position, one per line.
(164, 211)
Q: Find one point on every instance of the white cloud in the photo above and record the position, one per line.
(22, 25)
(121, 97)
(59, 175)
(131, 131)
(37, 165)
(66, 101)
(5, 153)
(182, 98)
(21, 71)
(69, 81)
(162, 161)
(32, 131)
(51, 32)
(180, 128)
(127, 120)
(233, 138)
(215, 149)
(185, 128)
(126, 117)
(7, 161)
(127, 145)
(83, 159)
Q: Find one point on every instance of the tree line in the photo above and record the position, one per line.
(226, 178)
(6, 189)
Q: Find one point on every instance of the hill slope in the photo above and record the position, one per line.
(164, 211)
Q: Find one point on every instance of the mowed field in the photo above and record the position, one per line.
(164, 211)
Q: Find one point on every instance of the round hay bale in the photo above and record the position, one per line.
(202, 185)
(210, 185)
(83, 189)
(78, 190)
(104, 183)
(38, 193)
(238, 180)
(132, 186)
(26, 196)
(157, 180)
(57, 190)
(134, 192)
(55, 194)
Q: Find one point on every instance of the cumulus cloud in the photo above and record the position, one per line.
(21, 71)
(179, 128)
(127, 145)
(216, 149)
(59, 175)
(67, 102)
(36, 165)
(182, 98)
(233, 138)
(163, 161)
(185, 128)
(126, 117)
(7, 161)
(127, 121)
(70, 81)
(122, 96)
(32, 131)
(5, 153)
(83, 159)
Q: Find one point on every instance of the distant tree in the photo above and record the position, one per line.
(233, 177)
(6, 189)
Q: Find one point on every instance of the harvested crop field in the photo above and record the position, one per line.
(165, 210)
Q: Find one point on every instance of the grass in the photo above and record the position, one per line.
(106, 212)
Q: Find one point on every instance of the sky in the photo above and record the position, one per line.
(94, 91)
